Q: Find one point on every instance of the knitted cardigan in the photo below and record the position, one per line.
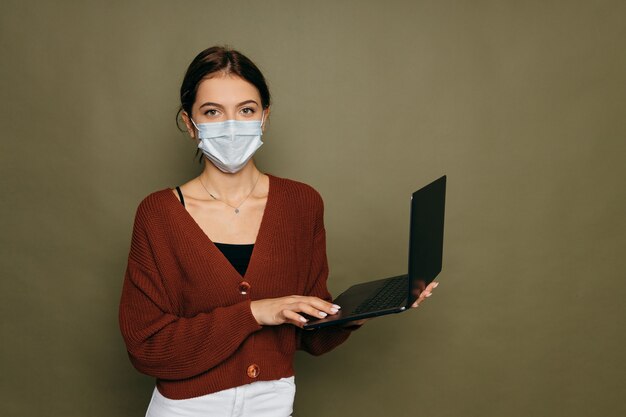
(182, 314)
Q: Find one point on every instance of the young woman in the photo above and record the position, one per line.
(223, 269)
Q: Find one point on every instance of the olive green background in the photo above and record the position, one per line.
(520, 103)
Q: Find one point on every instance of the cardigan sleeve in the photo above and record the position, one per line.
(159, 342)
(320, 341)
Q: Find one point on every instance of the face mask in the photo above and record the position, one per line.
(229, 145)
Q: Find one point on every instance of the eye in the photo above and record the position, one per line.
(211, 112)
(248, 111)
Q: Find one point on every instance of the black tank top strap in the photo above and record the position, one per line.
(180, 195)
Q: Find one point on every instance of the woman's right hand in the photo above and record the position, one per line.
(275, 311)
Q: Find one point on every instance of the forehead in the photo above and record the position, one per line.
(226, 89)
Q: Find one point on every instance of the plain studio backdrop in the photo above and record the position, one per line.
(520, 103)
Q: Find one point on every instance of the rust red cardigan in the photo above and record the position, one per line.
(182, 314)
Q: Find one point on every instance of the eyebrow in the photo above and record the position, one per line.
(210, 103)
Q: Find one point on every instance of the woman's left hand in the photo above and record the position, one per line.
(428, 291)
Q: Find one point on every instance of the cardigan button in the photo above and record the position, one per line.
(253, 371)
(244, 287)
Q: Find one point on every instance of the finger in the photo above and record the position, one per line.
(322, 305)
(418, 302)
(304, 307)
(313, 306)
(294, 318)
(425, 294)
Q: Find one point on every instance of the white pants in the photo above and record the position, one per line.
(258, 399)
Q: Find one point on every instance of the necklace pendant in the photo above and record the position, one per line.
(236, 211)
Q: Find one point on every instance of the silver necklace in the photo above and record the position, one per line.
(222, 201)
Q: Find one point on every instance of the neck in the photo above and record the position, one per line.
(230, 187)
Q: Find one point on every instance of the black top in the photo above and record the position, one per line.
(237, 255)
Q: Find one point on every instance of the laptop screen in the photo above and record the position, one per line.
(426, 235)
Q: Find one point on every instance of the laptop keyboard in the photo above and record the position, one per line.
(389, 296)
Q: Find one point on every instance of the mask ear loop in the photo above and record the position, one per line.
(200, 158)
(192, 122)
(263, 118)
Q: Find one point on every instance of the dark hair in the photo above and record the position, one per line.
(220, 59)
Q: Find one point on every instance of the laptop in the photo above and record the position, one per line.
(398, 293)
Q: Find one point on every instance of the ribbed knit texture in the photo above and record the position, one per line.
(182, 315)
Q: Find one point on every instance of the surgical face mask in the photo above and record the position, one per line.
(229, 145)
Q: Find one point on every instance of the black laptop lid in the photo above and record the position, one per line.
(426, 236)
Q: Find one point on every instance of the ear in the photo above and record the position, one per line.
(190, 127)
(266, 116)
